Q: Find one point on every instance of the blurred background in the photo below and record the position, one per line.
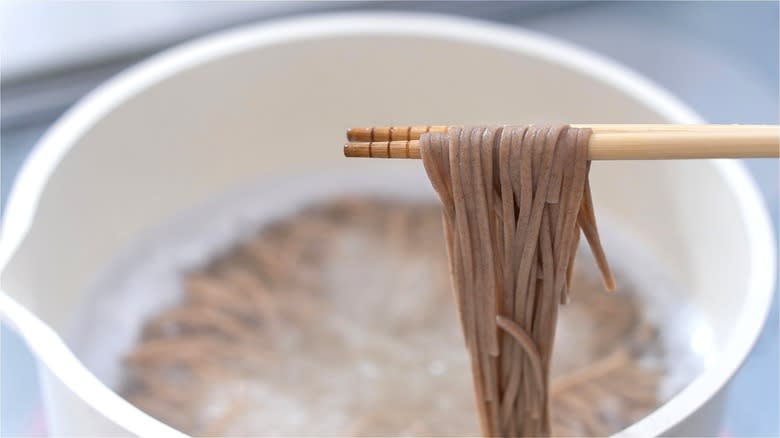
(721, 58)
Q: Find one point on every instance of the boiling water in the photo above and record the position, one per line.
(382, 354)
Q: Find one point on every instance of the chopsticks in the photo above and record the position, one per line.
(608, 142)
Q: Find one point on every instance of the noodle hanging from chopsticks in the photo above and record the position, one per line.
(514, 201)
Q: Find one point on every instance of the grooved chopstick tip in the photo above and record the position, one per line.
(356, 150)
(359, 134)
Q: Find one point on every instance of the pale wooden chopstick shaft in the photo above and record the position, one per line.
(397, 133)
(682, 145)
(608, 142)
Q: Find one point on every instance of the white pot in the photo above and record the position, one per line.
(219, 112)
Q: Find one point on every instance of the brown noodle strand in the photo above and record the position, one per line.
(188, 352)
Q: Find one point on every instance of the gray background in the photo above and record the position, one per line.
(721, 58)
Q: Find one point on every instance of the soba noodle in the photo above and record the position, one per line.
(283, 325)
(514, 199)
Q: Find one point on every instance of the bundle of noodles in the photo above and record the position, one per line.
(514, 199)
(282, 316)
(274, 305)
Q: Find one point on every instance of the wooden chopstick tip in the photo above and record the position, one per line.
(358, 134)
(349, 150)
(358, 150)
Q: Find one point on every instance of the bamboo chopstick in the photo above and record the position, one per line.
(608, 142)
